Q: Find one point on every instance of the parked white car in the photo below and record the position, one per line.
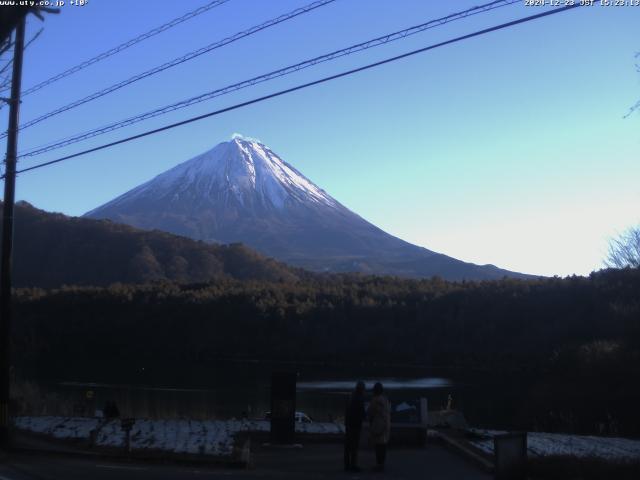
(303, 418)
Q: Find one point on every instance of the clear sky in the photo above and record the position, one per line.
(510, 148)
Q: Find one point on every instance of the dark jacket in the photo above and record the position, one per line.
(355, 413)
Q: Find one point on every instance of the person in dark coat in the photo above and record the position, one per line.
(353, 418)
(379, 414)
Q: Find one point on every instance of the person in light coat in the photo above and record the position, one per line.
(379, 415)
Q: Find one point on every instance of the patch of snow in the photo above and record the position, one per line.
(404, 406)
(320, 428)
(553, 444)
(111, 435)
(210, 437)
(59, 427)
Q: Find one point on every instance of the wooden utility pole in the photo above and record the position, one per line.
(7, 235)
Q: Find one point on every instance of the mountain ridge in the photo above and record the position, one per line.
(52, 249)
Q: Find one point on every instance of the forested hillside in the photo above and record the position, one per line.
(54, 249)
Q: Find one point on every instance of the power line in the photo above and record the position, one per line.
(4, 68)
(269, 76)
(5, 80)
(303, 86)
(6, 45)
(33, 39)
(9, 62)
(179, 60)
(125, 45)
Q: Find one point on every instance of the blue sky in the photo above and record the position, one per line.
(510, 148)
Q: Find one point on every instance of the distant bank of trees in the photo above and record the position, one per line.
(576, 339)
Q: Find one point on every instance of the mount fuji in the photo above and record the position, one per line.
(241, 191)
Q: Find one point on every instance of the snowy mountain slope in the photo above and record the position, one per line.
(241, 191)
(246, 171)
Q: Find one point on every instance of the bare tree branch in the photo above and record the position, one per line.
(624, 251)
(635, 107)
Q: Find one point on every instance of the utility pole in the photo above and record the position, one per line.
(7, 235)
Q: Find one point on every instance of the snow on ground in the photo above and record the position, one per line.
(182, 436)
(320, 428)
(210, 437)
(111, 434)
(551, 444)
(59, 427)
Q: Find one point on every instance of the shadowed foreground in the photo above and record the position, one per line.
(311, 461)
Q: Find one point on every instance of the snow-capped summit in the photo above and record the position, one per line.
(240, 170)
(241, 191)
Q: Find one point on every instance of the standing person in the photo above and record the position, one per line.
(379, 424)
(353, 417)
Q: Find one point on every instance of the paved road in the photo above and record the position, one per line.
(312, 461)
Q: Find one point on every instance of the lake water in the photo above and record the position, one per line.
(237, 390)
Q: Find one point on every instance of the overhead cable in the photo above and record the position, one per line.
(267, 76)
(125, 45)
(302, 86)
(178, 61)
